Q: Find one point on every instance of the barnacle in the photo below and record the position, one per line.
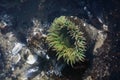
(67, 40)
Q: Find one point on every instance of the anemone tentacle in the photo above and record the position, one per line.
(67, 39)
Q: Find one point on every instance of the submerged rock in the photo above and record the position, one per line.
(100, 40)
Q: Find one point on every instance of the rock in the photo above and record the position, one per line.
(100, 40)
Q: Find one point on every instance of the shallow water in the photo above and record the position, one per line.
(93, 12)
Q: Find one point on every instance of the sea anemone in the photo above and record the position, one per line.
(67, 40)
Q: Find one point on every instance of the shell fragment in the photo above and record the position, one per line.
(17, 48)
(32, 59)
(16, 58)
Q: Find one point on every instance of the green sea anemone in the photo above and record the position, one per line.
(67, 40)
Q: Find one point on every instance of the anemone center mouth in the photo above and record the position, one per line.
(67, 38)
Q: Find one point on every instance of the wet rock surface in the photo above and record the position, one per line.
(24, 53)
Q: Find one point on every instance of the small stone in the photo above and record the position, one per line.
(47, 57)
(105, 27)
